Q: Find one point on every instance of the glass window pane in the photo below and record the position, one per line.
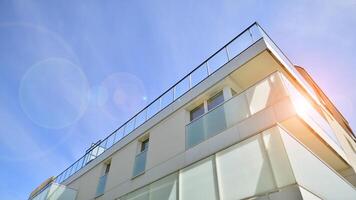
(215, 100)
(197, 112)
(198, 181)
(101, 185)
(140, 164)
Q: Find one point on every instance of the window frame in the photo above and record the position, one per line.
(205, 105)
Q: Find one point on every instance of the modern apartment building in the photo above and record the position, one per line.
(245, 124)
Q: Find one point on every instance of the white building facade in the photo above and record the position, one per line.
(245, 124)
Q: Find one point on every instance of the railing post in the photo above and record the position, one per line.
(97, 150)
(190, 81)
(174, 92)
(106, 142)
(207, 68)
(113, 141)
(64, 175)
(227, 54)
(134, 122)
(123, 131)
(249, 31)
(160, 103)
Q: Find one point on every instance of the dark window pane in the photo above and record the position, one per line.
(197, 112)
(215, 100)
(107, 168)
(144, 145)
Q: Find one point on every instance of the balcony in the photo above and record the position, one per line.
(241, 106)
(255, 98)
(217, 120)
(54, 191)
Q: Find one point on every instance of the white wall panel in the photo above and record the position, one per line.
(198, 181)
(243, 170)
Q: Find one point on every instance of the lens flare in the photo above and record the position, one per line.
(54, 93)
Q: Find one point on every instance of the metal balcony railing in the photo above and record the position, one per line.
(233, 48)
(229, 51)
(55, 191)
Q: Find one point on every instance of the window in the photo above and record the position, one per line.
(140, 160)
(213, 116)
(107, 168)
(144, 145)
(197, 112)
(211, 103)
(102, 180)
(215, 100)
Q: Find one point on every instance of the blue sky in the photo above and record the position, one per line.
(73, 71)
